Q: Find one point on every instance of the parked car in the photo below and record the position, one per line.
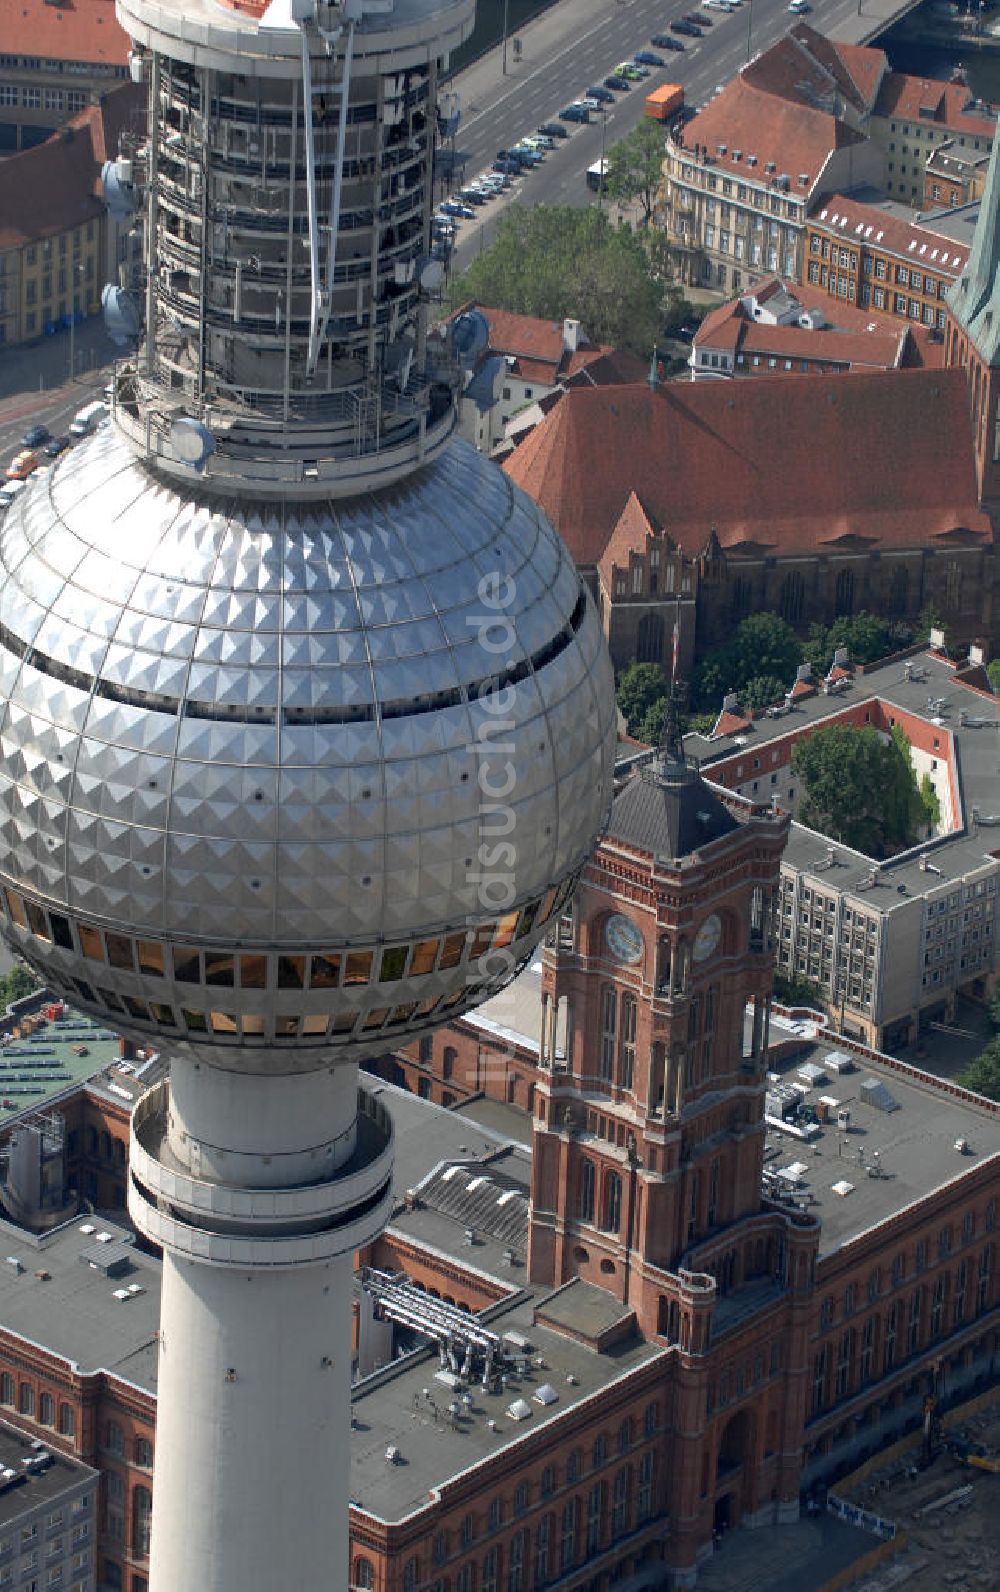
(697, 19)
(663, 41)
(452, 207)
(55, 446)
(35, 437)
(574, 113)
(539, 141)
(648, 58)
(635, 74)
(22, 465)
(527, 155)
(617, 82)
(8, 492)
(471, 196)
(687, 28)
(798, 7)
(603, 96)
(554, 130)
(508, 168)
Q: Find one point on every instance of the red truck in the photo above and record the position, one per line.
(664, 102)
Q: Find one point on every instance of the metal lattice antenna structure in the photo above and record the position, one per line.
(257, 635)
(670, 752)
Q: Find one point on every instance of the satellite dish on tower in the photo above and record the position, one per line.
(470, 334)
(431, 275)
(190, 441)
(122, 315)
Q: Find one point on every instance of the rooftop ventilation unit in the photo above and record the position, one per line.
(874, 1093)
(520, 1410)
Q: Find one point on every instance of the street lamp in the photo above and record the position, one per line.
(76, 272)
(604, 134)
(506, 9)
(750, 23)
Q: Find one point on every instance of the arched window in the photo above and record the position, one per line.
(741, 599)
(26, 1399)
(585, 1203)
(953, 586)
(144, 1453)
(6, 1388)
(448, 1060)
(114, 1506)
(47, 1409)
(626, 1054)
(609, 1012)
(649, 639)
(792, 597)
(142, 1515)
(844, 597)
(67, 1420)
(899, 590)
(612, 1202)
(364, 1574)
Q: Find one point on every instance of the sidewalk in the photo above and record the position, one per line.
(482, 85)
(43, 366)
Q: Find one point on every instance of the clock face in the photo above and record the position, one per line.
(623, 938)
(707, 938)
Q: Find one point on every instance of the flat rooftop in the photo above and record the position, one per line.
(49, 1295)
(37, 1068)
(514, 1014)
(911, 1149)
(391, 1409)
(38, 1483)
(976, 761)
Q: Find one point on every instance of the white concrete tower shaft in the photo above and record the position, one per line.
(253, 1390)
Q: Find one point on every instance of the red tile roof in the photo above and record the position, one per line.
(633, 526)
(729, 723)
(921, 99)
(76, 30)
(56, 185)
(776, 466)
(804, 65)
(862, 224)
(855, 338)
(797, 138)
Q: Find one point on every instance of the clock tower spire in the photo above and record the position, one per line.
(649, 1135)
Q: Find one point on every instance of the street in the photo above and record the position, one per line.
(578, 43)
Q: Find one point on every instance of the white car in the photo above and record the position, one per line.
(798, 7)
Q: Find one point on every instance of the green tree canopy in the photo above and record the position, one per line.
(866, 636)
(858, 789)
(763, 691)
(635, 166)
(993, 670)
(791, 989)
(16, 984)
(554, 260)
(762, 648)
(983, 1074)
(640, 687)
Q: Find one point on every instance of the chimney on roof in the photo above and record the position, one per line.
(571, 335)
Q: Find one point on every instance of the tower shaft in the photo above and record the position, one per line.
(253, 1382)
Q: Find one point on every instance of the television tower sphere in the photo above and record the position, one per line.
(308, 723)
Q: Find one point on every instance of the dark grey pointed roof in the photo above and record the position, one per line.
(669, 811)
(975, 297)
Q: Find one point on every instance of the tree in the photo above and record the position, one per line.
(640, 686)
(993, 1008)
(930, 801)
(866, 636)
(16, 984)
(651, 727)
(635, 166)
(857, 789)
(762, 692)
(983, 1074)
(763, 647)
(553, 261)
(993, 670)
(791, 989)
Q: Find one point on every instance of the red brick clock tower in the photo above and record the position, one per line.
(654, 1133)
(648, 1138)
